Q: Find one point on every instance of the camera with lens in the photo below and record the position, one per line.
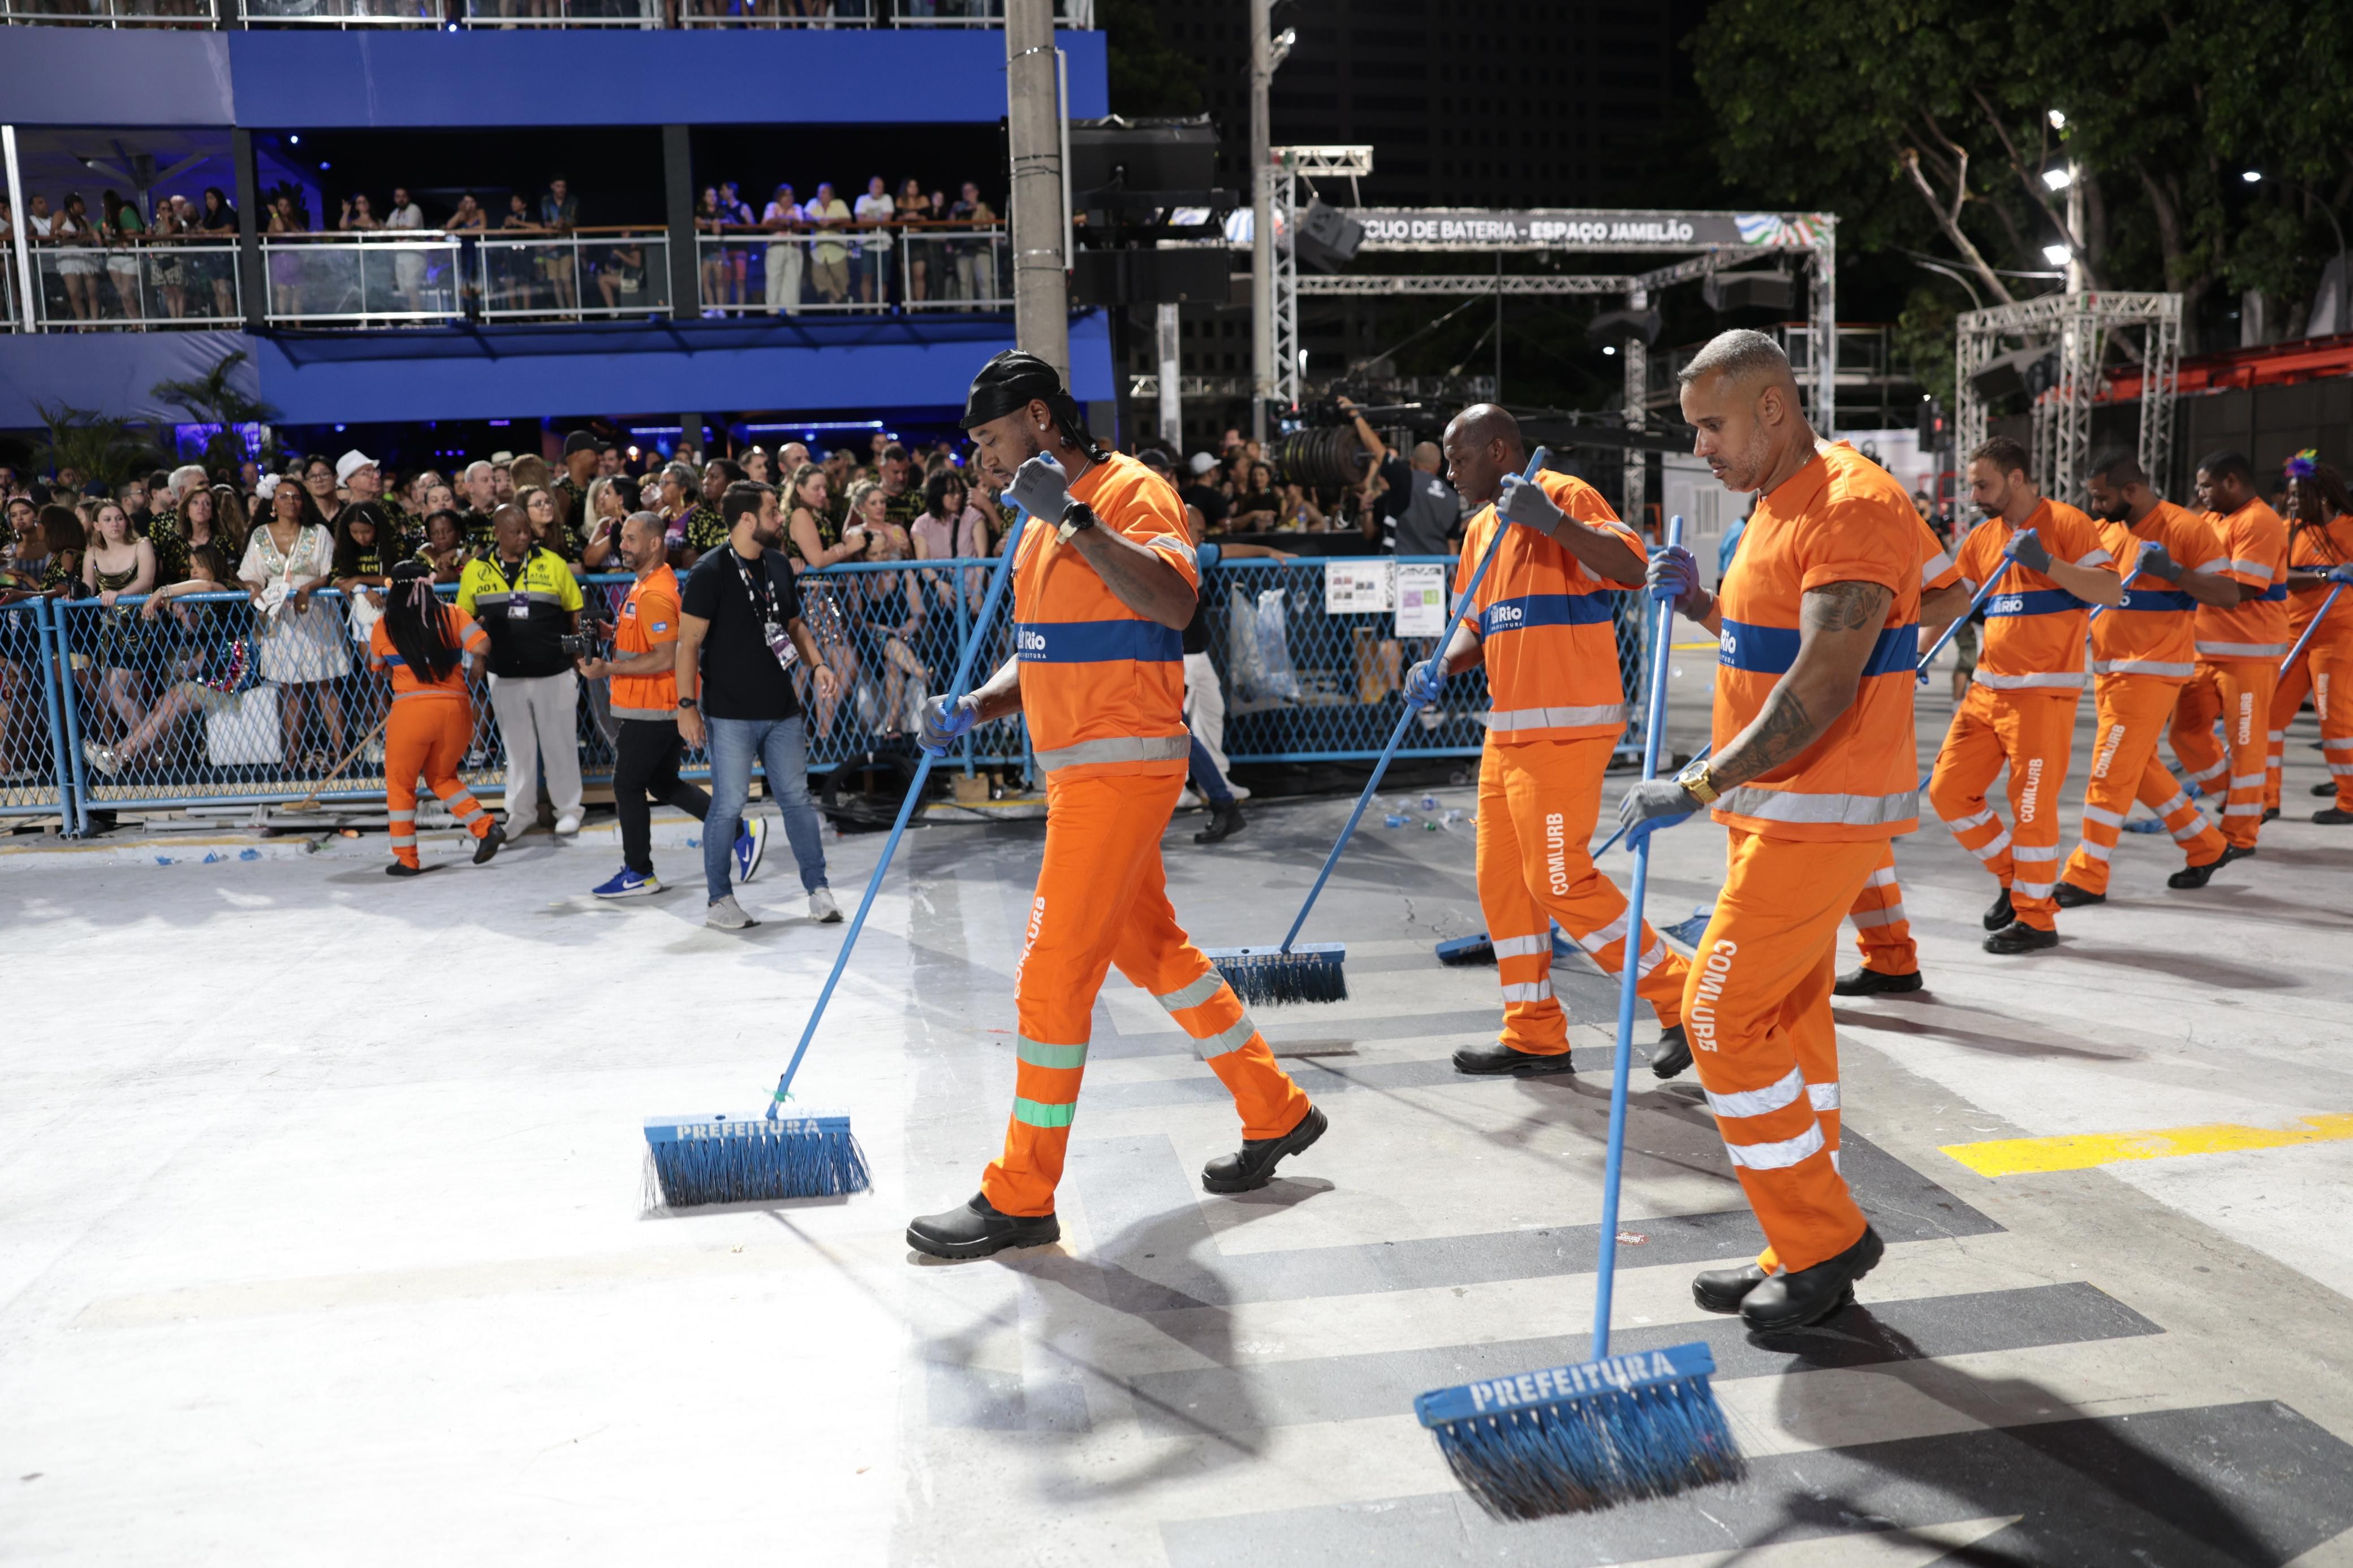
(581, 645)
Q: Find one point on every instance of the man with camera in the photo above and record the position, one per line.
(647, 748)
(741, 603)
(526, 598)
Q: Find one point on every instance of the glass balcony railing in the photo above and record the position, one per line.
(109, 13)
(405, 279)
(342, 12)
(870, 271)
(132, 286)
(512, 14)
(588, 274)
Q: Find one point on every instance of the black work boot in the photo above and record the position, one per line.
(1673, 1053)
(488, 844)
(2326, 787)
(976, 1229)
(2236, 852)
(1487, 1061)
(1998, 913)
(1253, 1166)
(2195, 876)
(1870, 982)
(2332, 817)
(1225, 821)
(1722, 1290)
(1791, 1301)
(2019, 937)
(2068, 896)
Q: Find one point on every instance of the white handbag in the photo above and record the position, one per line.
(247, 735)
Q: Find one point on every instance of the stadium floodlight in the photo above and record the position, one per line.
(2252, 177)
(2058, 120)
(2057, 255)
(2059, 178)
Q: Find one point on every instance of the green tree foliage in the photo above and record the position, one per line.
(212, 398)
(1926, 123)
(95, 445)
(1148, 74)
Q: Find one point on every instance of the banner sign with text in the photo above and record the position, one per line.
(1416, 228)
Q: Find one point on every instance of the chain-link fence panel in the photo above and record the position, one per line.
(34, 780)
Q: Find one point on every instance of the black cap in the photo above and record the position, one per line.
(1009, 384)
(1156, 459)
(585, 441)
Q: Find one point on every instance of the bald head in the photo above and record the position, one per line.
(1738, 393)
(1481, 447)
(1428, 458)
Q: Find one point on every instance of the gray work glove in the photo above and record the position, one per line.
(943, 723)
(1424, 681)
(1040, 489)
(2028, 552)
(1523, 501)
(1651, 805)
(2156, 560)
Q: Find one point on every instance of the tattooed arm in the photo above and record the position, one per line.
(1837, 624)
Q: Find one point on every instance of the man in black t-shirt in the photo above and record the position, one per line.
(740, 636)
(1204, 496)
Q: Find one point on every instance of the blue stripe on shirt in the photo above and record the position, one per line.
(1098, 642)
(1771, 650)
(2033, 601)
(2156, 599)
(1545, 610)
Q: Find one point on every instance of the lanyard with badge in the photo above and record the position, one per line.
(518, 594)
(763, 605)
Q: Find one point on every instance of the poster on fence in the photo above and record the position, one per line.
(1359, 587)
(1420, 598)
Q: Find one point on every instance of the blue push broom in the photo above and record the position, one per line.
(1613, 1429)
(762, 1156)
(1316, 972)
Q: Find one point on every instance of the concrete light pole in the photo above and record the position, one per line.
(1267, 53)
(1042, 294)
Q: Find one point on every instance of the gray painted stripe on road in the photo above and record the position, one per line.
(1154, 1252)
(2211, 1486)
(1233, 1399)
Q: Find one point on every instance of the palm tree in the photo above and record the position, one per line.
(212, 398)
(96, 445)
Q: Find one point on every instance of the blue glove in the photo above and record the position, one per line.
(1424, 681)
(1523, 501)
(1674, 576)
(1651, 805)
(2155, 561)
(1040, 489)
(2342, 574)
(2028, 552)
(941, 723)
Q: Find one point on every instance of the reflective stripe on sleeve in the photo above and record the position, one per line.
(1118, 749)
(2094, 558)
(1757, 1101)
(1825, 1096)
(1934, 567)
(1556, 718)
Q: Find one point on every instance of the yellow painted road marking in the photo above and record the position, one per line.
(2080, 1151)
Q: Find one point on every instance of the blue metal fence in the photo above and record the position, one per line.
(193, 701)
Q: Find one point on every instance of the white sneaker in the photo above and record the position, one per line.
(567, 825)
(1189, 801)
(1240, 793)
(823, 909)
(726, 914)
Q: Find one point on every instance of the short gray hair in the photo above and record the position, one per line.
(484, 464)
(185, 475)
(1740, 354)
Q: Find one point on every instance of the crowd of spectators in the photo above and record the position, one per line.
(534, 256)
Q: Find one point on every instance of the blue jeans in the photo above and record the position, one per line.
(780, 747)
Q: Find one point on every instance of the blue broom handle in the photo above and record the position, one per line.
(2297, 651)
(2130, 578)
(1397, 736)
(1605, 1276)
(980, 626)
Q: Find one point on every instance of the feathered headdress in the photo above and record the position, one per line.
(2301, 466)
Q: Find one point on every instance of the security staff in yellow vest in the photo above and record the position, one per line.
(526, 598)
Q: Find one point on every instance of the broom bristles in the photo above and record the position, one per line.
(1311, 971)
(696, 1160)
(1576, 1439)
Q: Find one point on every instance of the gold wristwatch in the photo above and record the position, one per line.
(1696, 779)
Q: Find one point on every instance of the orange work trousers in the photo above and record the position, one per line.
(2238, 692)
(1757, 1007)
(1102, 900)
(2133, 710)
(2326, 671)
(1881, 930)
(2034, 733)
(427, 736)
(1538, 800)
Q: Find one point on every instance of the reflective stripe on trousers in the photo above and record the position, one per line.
(2032, 734)
(2237, 692)
(1118, 748)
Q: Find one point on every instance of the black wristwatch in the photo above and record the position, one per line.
(687, 702)
(1076, 518)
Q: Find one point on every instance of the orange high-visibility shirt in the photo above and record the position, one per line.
(1840, 519)
(2149, 633)
(649, 620)
(2250, 548)
(1546, 625)
(1103, 687)
(2033, 628)
(2317, 547)
(469, 638)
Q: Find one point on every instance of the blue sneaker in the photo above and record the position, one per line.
(628, 884)
(751, 843)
